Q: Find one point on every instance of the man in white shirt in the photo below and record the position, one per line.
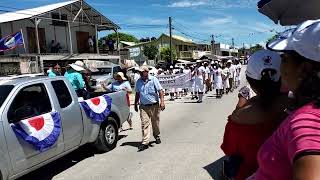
(232, 69)
(200, 76)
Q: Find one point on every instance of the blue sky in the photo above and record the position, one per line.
(194, 19)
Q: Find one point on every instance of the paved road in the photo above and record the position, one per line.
(191, 135)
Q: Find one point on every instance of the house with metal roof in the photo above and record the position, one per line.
(186, 49)
(57, 33)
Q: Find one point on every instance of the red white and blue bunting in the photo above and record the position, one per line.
(41, 131)
(98, 108)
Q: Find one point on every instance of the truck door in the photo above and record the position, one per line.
(28, 101)
(70, 113)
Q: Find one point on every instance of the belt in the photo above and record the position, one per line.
(157, 103)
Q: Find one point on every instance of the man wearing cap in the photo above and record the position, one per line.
(148, 89)
(75, 78)
(232, 70)
(199, 80)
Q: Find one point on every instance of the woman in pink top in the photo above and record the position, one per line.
(293, 151)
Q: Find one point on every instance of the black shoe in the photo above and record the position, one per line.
(158, 141)
(192, 98)
(142, 147)
(199, 101)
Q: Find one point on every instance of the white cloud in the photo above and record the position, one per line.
(188, 3)
(217, 4)
(211, 21)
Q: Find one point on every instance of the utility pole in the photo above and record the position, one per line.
(170, 32)
(232, 46)
(212, 45)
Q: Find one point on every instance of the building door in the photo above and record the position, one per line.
(32, 40)
(82, 42)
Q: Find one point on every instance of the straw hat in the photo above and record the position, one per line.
(143, 69)
(122, 76)
(78, 66)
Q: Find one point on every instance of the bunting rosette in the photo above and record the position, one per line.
(98, 108)
(41, 131)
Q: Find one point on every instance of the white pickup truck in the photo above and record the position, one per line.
(46, 95)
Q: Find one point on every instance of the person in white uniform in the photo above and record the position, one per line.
(232, 69)
(238, 73)
(207, 78)
(218, 85)
(225, 79)
(200, 75)
(193, 83)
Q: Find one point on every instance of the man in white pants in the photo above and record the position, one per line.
(200, 76)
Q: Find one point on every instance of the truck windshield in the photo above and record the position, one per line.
(102, 71)
(4, 92)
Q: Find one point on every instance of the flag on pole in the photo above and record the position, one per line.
(11, 41)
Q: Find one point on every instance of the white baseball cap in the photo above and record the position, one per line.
(304, 39)
(261, 60)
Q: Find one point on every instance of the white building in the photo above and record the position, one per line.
(71, 24)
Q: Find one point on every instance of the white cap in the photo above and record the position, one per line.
(261, 60)
(229, 61)
(171, 67)
(199, 61)
(304, 39)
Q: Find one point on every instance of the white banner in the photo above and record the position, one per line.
(175, 81)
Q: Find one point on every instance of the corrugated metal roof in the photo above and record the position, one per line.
(28, 13)
(97, 18)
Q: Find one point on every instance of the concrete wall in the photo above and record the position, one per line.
(58, 33)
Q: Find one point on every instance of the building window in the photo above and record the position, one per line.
(58, 22)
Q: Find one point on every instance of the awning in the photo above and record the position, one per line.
(288, 12)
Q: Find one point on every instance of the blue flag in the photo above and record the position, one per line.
(11, 41)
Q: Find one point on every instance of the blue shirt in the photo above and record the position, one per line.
(75, 78)
(148, 90)
(117, 86)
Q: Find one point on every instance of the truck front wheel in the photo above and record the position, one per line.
(108, 135)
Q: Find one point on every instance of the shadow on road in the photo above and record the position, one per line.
(48, 171)
(133, 144)
(215, 169)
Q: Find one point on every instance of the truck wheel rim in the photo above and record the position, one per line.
(110, 134)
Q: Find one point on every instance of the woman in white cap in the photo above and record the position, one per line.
(251, 124)
(293, 151)
(74, 76)
(121, 84)
(225, 79)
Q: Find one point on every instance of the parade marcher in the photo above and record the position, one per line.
(218, 83)
(193, 83)
(225, 79)
(232, 69)
(293, 151)
(74, 76)
(207, 78)
(148, 93)
(257, 118)
(136, 75)
(238, 73)
(172, 90)
(199, 80)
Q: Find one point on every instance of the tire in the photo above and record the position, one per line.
(108, 136)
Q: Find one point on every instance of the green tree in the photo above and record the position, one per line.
(271, 38)
(150, 52)
(255, 48)
(122, 37)
(165, 54)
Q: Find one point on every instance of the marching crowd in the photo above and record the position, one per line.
(206, 75)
